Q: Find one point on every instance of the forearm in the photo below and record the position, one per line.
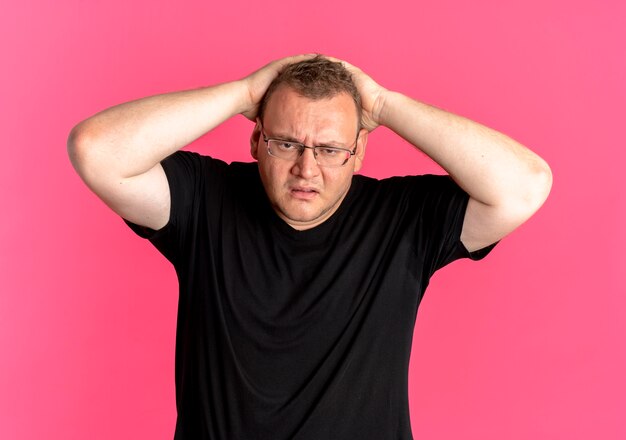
(491, 167)
(131, 138)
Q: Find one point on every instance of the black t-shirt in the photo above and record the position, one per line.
(286, 334)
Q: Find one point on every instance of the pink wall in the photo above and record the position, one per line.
(529, 344)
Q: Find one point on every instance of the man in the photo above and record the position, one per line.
(299, 281)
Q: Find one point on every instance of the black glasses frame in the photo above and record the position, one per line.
(301, 147)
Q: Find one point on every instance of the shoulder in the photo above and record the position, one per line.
(190, 160)
(407, 186)
(189, 166)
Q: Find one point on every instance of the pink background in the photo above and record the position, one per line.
(528, 344)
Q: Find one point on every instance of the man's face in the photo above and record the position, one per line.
(302, 193)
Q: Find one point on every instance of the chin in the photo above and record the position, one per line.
(300, 216)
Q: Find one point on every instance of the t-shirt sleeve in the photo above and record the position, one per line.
(189, 176)
(442, 205)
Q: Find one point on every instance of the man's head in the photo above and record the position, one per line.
(314, 103)
(316, 78)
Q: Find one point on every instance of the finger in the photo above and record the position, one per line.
(346, 64)
(294, 59)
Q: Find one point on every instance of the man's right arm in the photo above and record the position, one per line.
(118, 152)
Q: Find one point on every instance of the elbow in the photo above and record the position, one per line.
(527, 193)
(535, 190)
(85, 142)
(82, 149)
(76, 145)
(541, 184)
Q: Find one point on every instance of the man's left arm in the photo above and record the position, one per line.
(506, 182)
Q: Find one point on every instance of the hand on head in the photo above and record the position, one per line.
(258, 81)
(372, 94)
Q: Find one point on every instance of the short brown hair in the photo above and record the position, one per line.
(315, 78)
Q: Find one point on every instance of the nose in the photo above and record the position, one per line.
(306, 165)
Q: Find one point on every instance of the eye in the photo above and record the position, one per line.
(286, 146)
(328, 151)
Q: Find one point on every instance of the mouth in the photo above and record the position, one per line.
(303, 193)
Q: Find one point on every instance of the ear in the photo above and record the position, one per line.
(255, 138)
(361, 143)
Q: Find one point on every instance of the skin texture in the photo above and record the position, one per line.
(302, 193)
(506, 182)
(117, 152)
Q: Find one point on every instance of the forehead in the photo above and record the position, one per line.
(288, 113)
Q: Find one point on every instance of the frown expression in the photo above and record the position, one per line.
(301, 192)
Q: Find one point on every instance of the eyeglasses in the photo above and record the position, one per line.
(325, 156)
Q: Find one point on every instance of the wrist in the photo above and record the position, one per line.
(244, 98)
(381, 106)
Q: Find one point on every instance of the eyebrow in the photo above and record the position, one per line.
(329, 144)
(285, 138)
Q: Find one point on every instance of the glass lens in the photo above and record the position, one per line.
(331, 157)
(325, 156)
(284, 149)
